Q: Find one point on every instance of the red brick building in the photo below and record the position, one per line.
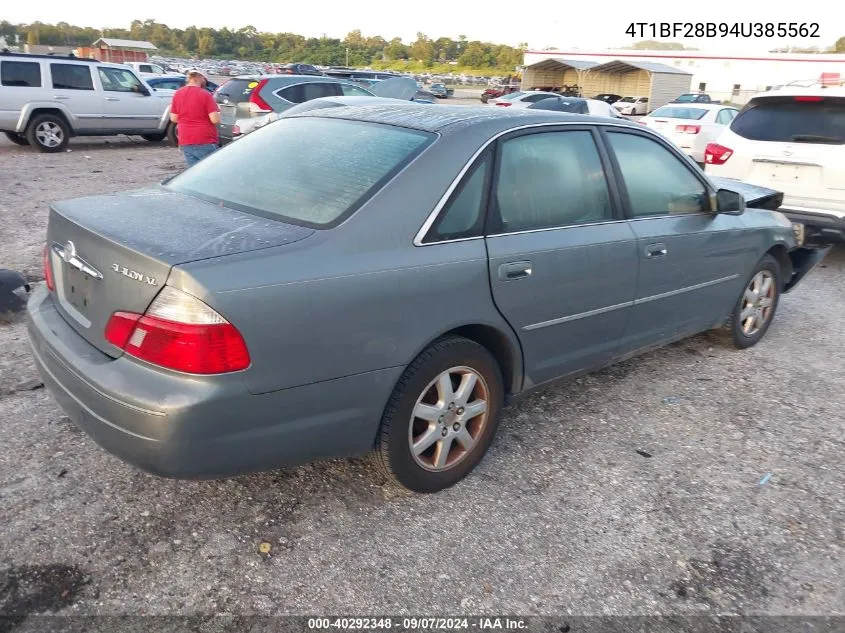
(107, 49)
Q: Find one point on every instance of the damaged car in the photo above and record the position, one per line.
(383, 279)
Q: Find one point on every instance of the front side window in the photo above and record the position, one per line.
(327, 169)
(20, 74)
(550, 179)
(117, 80)
(71, 77)
(656, 180)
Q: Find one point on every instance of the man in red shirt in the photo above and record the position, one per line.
(197, 115)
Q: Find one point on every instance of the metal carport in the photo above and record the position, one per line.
(554, 73)
(659, 82)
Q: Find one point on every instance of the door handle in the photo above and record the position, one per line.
(62, 97)
(656, 250)
(515, 270)
(112, 99)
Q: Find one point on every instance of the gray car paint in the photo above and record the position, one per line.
(333, 317)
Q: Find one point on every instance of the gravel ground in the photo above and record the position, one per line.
(694, 479)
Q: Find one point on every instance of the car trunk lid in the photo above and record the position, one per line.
(114, 253)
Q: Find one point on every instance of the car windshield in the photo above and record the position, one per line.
(628, 99)
(671, 112)
(305, 170)
(793, 120)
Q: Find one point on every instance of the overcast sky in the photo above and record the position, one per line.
(540, 23)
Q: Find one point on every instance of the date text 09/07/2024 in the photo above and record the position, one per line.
(418, 623)
(723, 29)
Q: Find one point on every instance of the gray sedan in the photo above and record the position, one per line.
(383, 279)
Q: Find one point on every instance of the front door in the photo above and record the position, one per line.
(562, 264)
(73, 85)
(126, 107)
(692, 260)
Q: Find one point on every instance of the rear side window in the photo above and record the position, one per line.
(20, 74)
(671, 112)
(71, 77)
(793, 120)
(463, 215)
(725, 116)
(301, 93)
(326, 168)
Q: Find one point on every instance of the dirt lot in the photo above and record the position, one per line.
(695, 479)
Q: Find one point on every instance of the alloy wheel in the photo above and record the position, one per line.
(757, 303)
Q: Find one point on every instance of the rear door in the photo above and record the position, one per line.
(73, 85)
(126, 107)
(692, 261)
(797, 145)
(562, 264)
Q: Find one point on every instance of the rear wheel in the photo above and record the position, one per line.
(441, 417)
(153, 138)
(17, 139)
(48, 133)
(172, 138)
(754, 310)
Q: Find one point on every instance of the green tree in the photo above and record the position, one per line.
(396, 50)
(839, 47)
(422, 49)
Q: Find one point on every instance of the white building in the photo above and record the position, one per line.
(724, 78)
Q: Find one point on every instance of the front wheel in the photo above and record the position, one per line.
(754, 310)
(441, 417)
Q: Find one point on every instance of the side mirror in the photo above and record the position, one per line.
(144, 91)
(729, 202)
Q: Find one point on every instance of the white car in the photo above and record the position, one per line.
(632, 105)
(791, 139)
(576, 105)
(691, 126)
(520, 99)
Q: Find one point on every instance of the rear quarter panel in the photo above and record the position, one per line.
(358, 297)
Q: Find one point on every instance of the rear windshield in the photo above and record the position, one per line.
(512, 95)
(627, 99)
(305, 170)
(793, 120)
(235, 90)
(671, 112)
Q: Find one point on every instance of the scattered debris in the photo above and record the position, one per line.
(62, 473)
(265, 547)
(765, 479)
(643, 453)
(672, 399)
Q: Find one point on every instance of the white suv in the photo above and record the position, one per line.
(791, 139)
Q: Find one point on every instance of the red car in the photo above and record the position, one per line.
(498, 91)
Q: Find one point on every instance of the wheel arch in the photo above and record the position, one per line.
(781, 254)
(35, 110)
(504, 348)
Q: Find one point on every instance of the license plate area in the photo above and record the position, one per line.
(789, 173)
(79, 289)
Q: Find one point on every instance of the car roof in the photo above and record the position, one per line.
(290, 79)
(697, 106)
(451, 119)
(803, 91)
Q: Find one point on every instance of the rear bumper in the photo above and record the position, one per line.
(190, 427)
(821, 227)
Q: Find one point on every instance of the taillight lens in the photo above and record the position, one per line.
(715, 154)
(256, 103)
(504, 104)
(180, 332)
(688, 129)
(48, 269)
(809, 99)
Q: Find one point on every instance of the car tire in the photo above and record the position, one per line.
(48, 133)
(756, 306)
(17, 139)
(450, 444)
(172, 137)
(154, 138)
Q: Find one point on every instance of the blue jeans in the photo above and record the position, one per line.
(195, 153)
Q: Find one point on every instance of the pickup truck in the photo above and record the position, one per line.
(495, 92)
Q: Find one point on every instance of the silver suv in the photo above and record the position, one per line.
(46, 99)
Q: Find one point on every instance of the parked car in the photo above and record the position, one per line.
(252, 102)
(793, 139)
(269, 306)
(167, 85)
(691, 127)
(632, 106)
(441, 91)
(300, 69)
(495, 92)
(693, 97)
(522, 99)
(576, 105)
(47, 99)
(145, 69)
(608, 97)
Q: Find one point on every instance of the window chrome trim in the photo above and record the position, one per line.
(444, 199)
(317, 80)
(627, 304)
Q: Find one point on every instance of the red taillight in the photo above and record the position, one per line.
(180, 332)
(809, 99)
(48, 269)
(504, 104)
(256, 100)
(715, 154)
(688, 129)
